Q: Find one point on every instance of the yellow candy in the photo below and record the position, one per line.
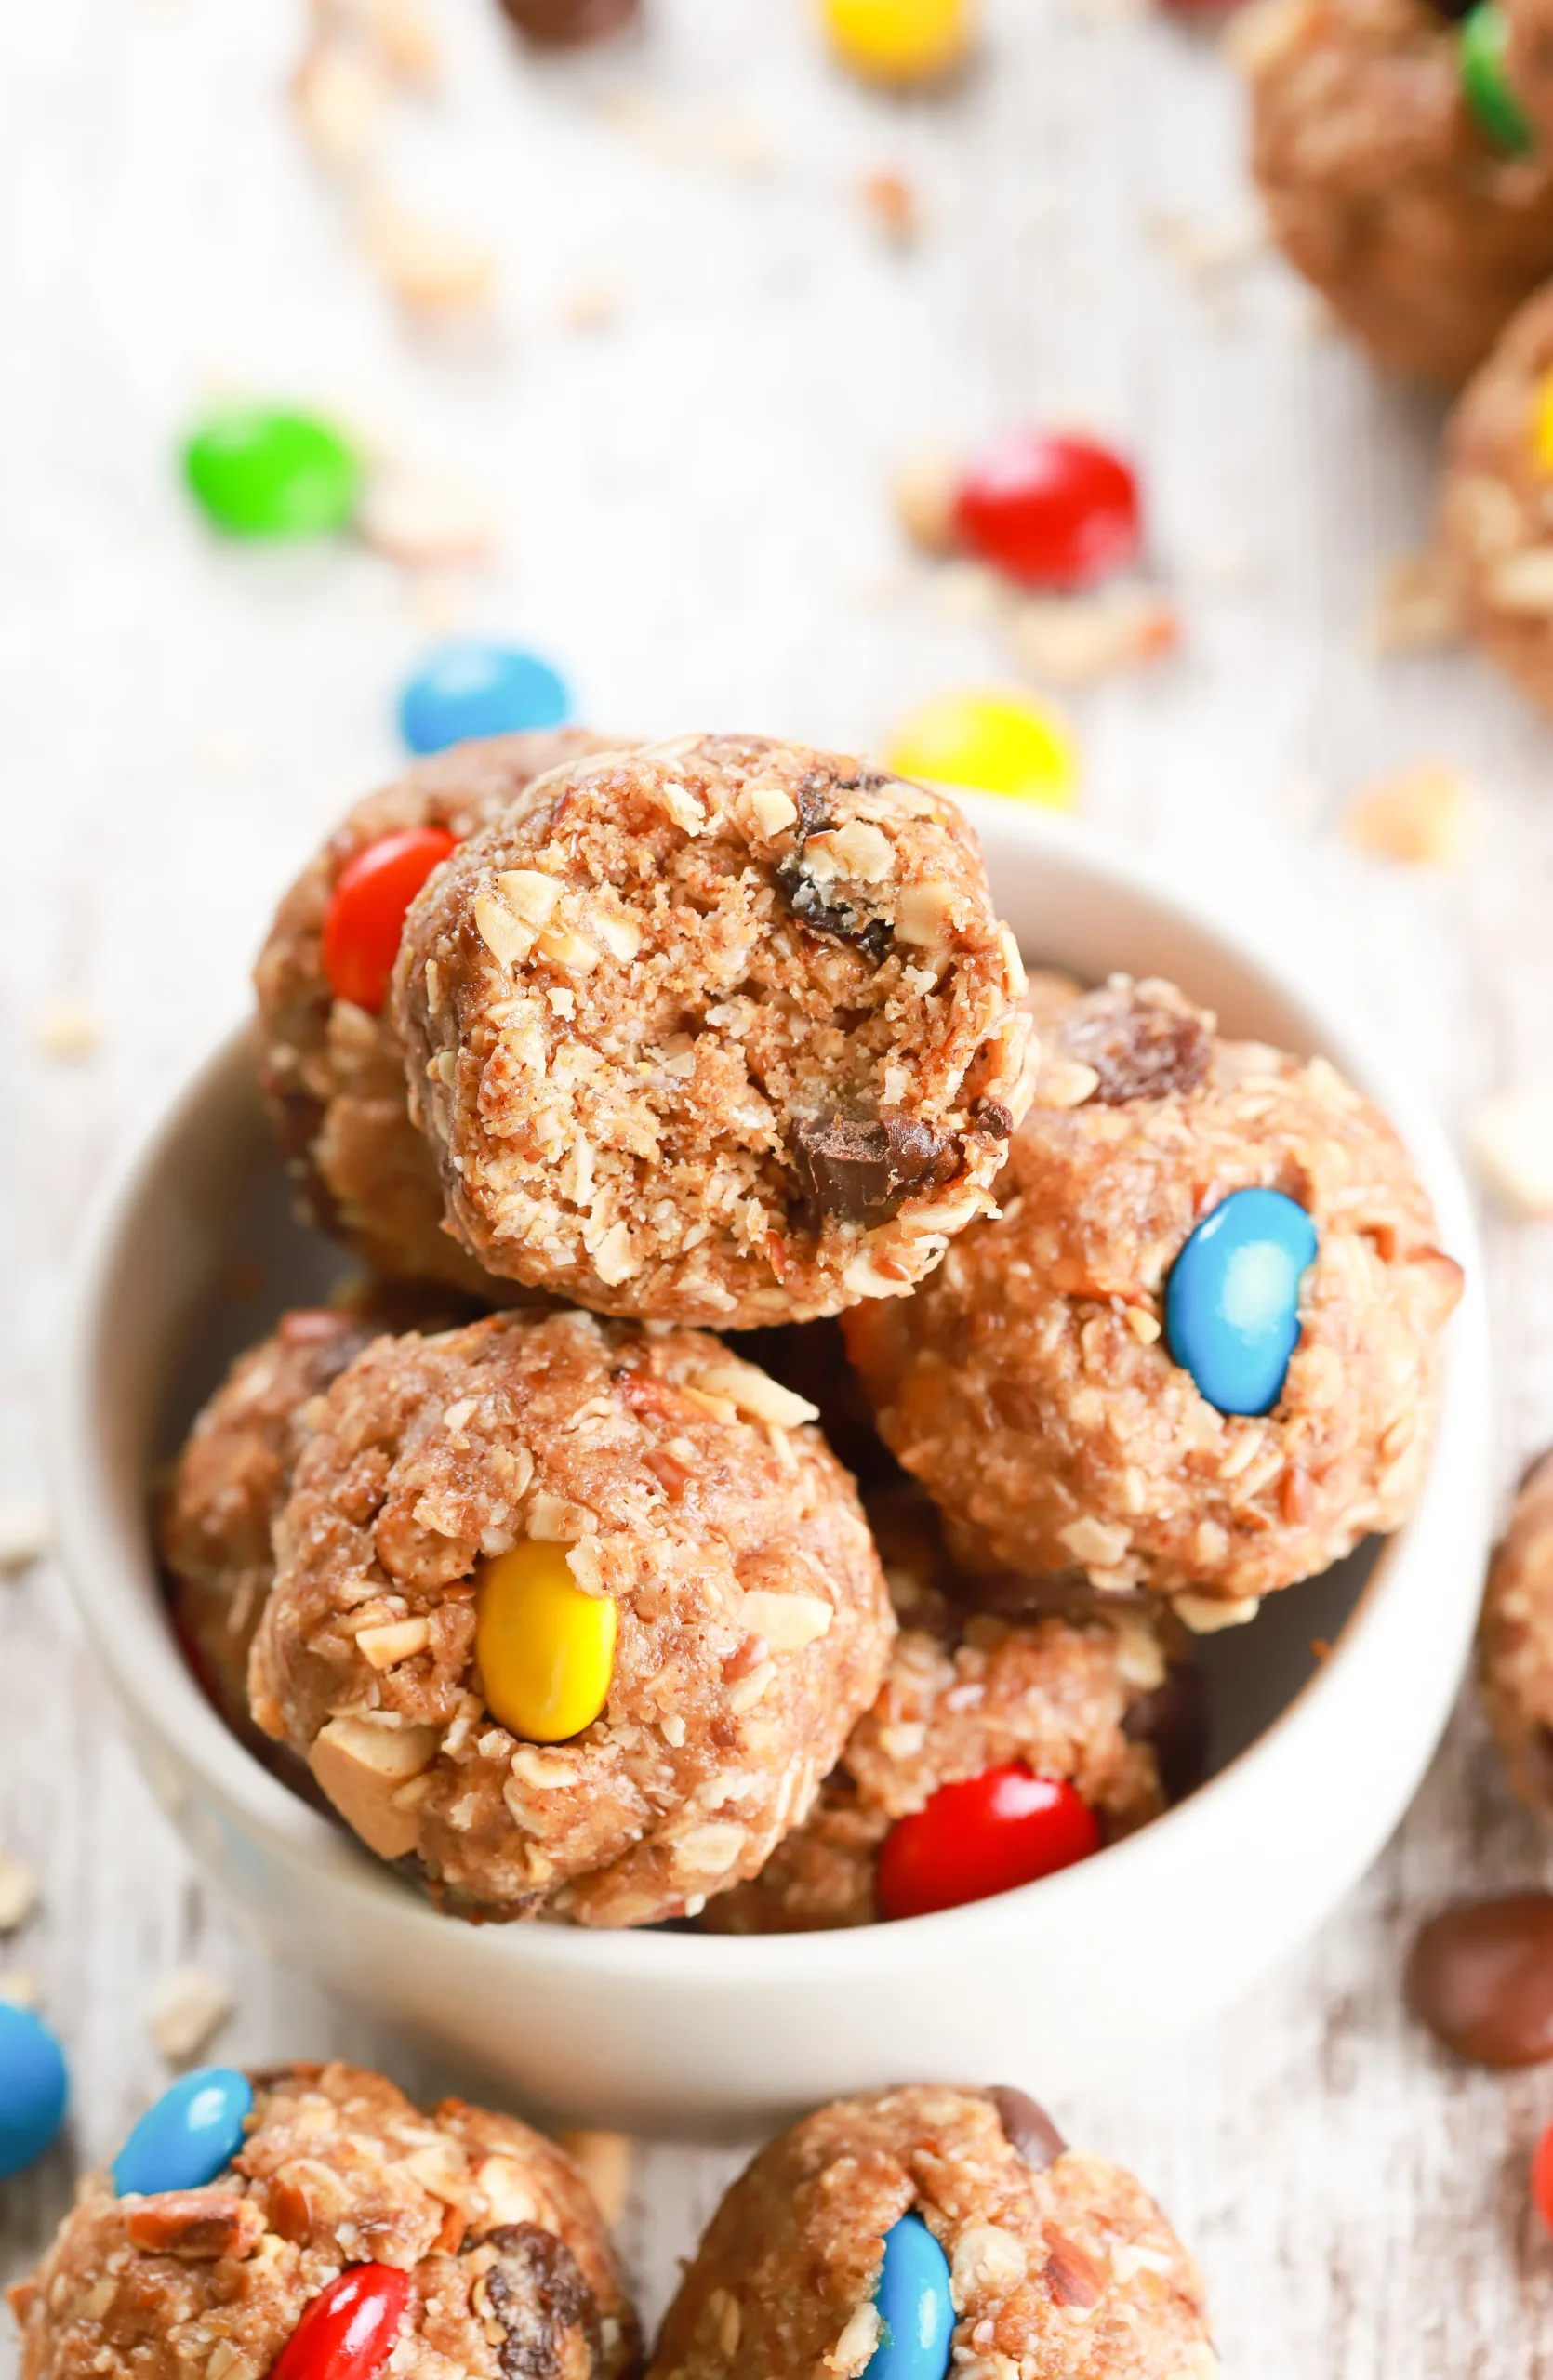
(1001, 743)
(900, 41)
(1542, 425)
(546, 1649)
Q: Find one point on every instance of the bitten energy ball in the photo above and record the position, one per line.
(1038, 1385)
(329, 1060)
(922, 2224)
(1496, 502)
(572, 1617)
(937, 1797)
(234, 1475)
(456, 2245)
(1390, 181)
(1515, 1640)
(723, 1031)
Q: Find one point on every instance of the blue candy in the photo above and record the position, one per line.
(914, 2305)
(1232, 1305)
(477, 687)
(193, 2131)
(33, 2087)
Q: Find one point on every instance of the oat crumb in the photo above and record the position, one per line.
(26, 1534)
(20, 1989)
(1066, 642)
(923, 492)
(604, 2161)
(19, 1892)
(1510, 1136)
(68, 1030)
(188, 2009)
(1416, 607)
(1419, 817)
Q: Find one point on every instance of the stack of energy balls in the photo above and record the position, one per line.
(576, 1558)
(1404, 152)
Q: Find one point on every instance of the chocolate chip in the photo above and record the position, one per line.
(994, 1123)
(1140, 1048)
(812, 797)
(537, 2293)
(1172, 1721)
(846, 920)
(1481, 1978)
(563, 24)
(1028, 2128)
(861, 1172)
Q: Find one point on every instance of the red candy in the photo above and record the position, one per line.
(348, 2331)
(1004, 1828)
(1541, 2177)
(366, 915)
(1050, 509)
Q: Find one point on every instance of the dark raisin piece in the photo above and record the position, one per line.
(1140, 1048)
(537, 2295)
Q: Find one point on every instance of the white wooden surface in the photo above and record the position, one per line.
(693, 518)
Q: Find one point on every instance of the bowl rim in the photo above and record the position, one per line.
(108, 1579)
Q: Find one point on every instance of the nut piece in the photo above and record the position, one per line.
(425, 521)
(604, 2161)
(396, 1640)
(1205, 1617)
(360, 1768)
(200, 2225)
(925, 483)
(18, 1893)
(1510, 1136)
(188, 2009)
(26, 1534)
(786, 1622)
(1419, 817)
(756, 1393)
(1082, 637)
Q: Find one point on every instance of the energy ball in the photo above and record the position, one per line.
(1384, 186)
(964, 2216)
(1515, 1640)
(1031, 1384)
(330, 1066)
(1073, 1694)
(569, 1616)
(722, 1031)
(469, 2246)
(1496, 502)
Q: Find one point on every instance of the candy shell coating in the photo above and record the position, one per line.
(915, 2306)
(999, 743)
(368, 908)
(1482, 38)
(189, 2135)
(1232, 1302)
(349, 2330)
(474, 687)
(258, 471)
(1542, 425)
(900, 41)
(545, 1647)
(1050, 509)
(34, 2086)
(981, 1835)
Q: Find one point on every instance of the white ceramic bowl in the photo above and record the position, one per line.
(675, 2033)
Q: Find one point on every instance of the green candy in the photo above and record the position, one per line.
(262, 473)
(1481, 41)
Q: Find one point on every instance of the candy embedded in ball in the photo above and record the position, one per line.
(900, 41)
(997, 743)
(987, 1834)
(349, 2330)
(1232, 1302)
(259, 471)
(191, 2134)
(474, 688)
(34, 2086)
(1481, 41)
(368, 908)
(546, 1647)
(1051, 509)
(915, 2306)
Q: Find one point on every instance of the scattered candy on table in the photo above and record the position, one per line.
(1232, 1303)
(1050, 509)
(367, 907)
(1542, 2177)
(1000, 742)
(985, 1836)
(1542, 425)
(261, 472)
(349, 2330)
(1482, 38)
(546, 1648)
(34, 2085)
(1480, 1976)
(916, 2308)
(191, 2134)
(900, 41)
(568, 24)
(476, 687)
